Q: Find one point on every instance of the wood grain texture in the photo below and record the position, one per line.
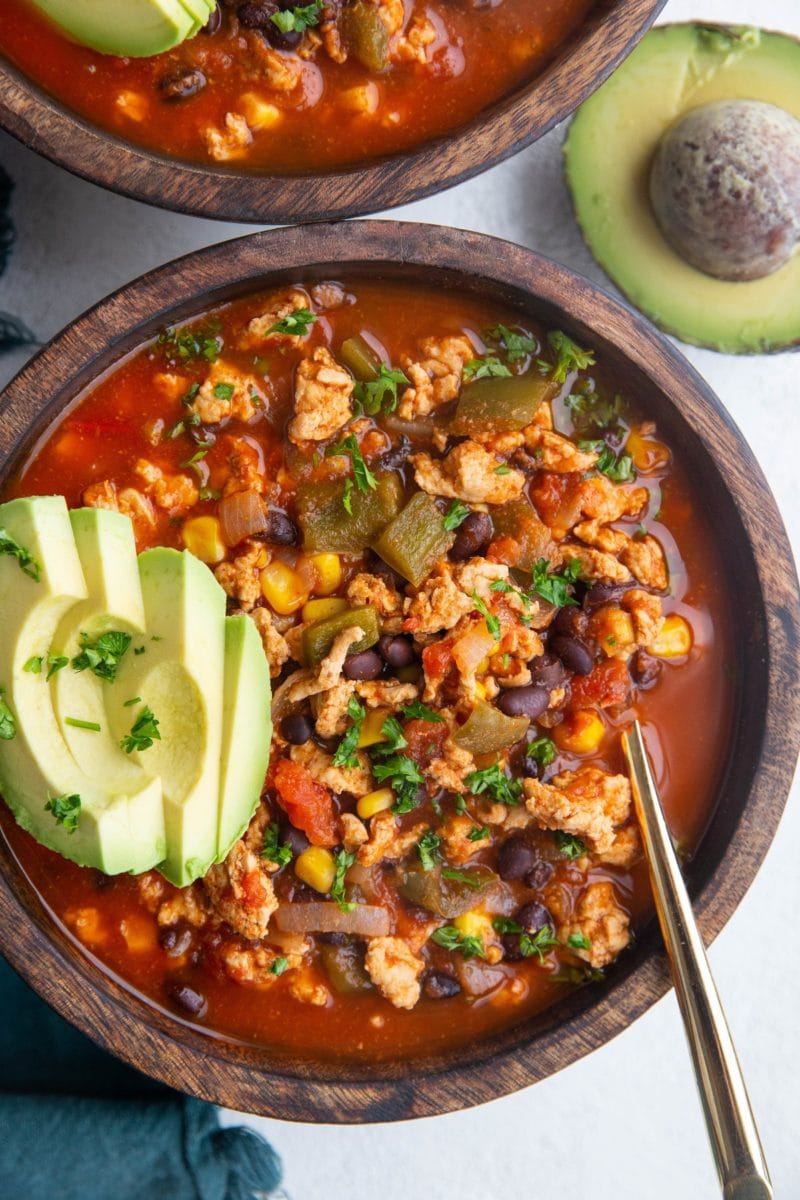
(582, 63)
(766, 724)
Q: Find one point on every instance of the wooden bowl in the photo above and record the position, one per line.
(766, 721)
(581, 64)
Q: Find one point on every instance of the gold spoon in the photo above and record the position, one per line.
(740, 1161)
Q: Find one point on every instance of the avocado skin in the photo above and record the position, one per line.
(608, 155)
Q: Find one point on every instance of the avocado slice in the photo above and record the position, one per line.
(247, 730)
(129, 28)
(177, 671)
(608, 152)
(41, 581)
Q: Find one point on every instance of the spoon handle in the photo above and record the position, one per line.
(732, 1130)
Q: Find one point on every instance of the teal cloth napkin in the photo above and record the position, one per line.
(77, 1124)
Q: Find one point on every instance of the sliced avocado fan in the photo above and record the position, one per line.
(129, 28)
(608, 154)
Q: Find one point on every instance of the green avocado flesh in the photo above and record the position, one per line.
(130, 28)
(608, 154)
(139, 726)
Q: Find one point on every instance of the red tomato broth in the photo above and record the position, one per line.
(687, 713)
(479, 56)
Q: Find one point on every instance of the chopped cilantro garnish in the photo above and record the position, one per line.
(569, 356)
(347, 496)
(503, 469)
(617, 469)
(134, 700)
(224, 391)
(421, 711)
(395, 740)
(271, 847)
(529, 943)
(182, 345)
(479, 834)
(404, 778)
(589, 411)
(27, 563)
(55, 663)
(76, 723)
(456, 513)
(344, 860)
(361, 472)
(279, 965)
(497, 785)
(554, 586)
(579, 941)
(375, 395)
(102, 655)
(492, 623)
(345, 755)
(297, 20)
(429, 849)
(542, 750)
(450, 938)
(569, 845)
(34, 665)
(66, 810)
(298, 322)
(8, 725)
(144, 732)
(464, 877)
(486, 367)
(516, 345)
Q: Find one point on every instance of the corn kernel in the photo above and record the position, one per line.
(329, 573)
(580, 733)
(480, 690)
(371, 729)
(133, 104)
(674, 640)
(202, 537)
(647, 453)
(614, 631)
(282, 588)
(375, 802)
(87, 925)
(362, 99)
(317, 610)
(259, 113)
(316, 867)
(475, 923)
(139, 932)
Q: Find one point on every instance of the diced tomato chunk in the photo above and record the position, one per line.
(608, 685)
(437, 659)
(254, 892)
(425, 740)
(308, 804)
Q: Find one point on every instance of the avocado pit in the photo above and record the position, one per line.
(725, 188)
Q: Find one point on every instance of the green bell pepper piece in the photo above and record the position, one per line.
(366, 35)
(415, 540)
(486, 730)
(320, 636)
(500, 405)
(328, 526)
(448, 897)
(359, 357)
(519, 520)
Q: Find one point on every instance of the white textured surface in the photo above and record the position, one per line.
(623, 1124)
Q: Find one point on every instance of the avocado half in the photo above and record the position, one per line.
(129, 28)
(608, 154)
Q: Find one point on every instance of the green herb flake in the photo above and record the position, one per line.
(494, 783)
(392, 730)
(553, 586)
(516, 345)
(480, 834)
(569, 356)
(144, 732)
(183, 345)
(279, 965)
(617, 469)
(466, 944)
(569, 845)
(130, 703)
(25, 560)
(464, 877)
(542, 750)
(416, 709)
(347, 496)
(34, 665)
(345, 755)
(298, 323)
(344, 860)
(579, 941)
(538, 943)
(272, 849)
(503, 469)
(66, 810)
(488, 366)
(55, 663)
(8, 725)
(361, 472)
(102, 655)
(297, 20)
(455, 515)
(429, 849)
(379, 394)
(460, 805)
(76, 723)
(224, 391)
(403, 776)
(492, 622)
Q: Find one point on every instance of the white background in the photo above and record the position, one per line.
(623, 1124)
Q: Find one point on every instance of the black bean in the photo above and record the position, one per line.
(366, 665)
(397, 651)
(187, 998)
(183, 85)
(573, 653)
(547, 672)
(279, 529)
(541, 874)
(376, 566)
(570, 621)
(214, 21)
(524, 701)
(438, 986)
(297, 728)
(644, 669)
(287, 832)
(515, 858)
(533, 917)
(397, 457)
(256, 14)
(603, 593)
(531, 767)
(473, 535)
(174, 941)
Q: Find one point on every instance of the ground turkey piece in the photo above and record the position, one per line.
(557, 453)
(322, 398)
(176, 494)
(230, 142)
(241, 578)
(588, 803)
(436, 379)
(241, 893)
(275, 646)
(600, 919)
(413, 45)
(469, 472)
(260, 328)
(394, 970)
(446, 595)
(227, 393)
(128, 501)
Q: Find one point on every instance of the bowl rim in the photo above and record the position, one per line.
(249, 1078)
(44, 125)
